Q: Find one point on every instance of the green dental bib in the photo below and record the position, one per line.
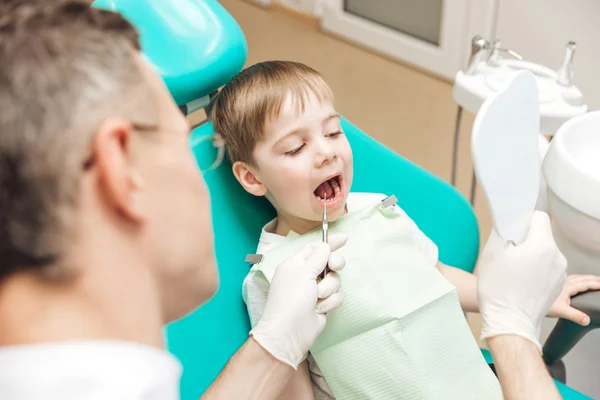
(400, 333)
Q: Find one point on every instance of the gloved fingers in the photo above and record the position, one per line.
(540, 225)
(331, 284)
(301, 256)
(561, 261)
(318, 249)
(494, 246)
(337, 241)
(316, 261)
(330, 303)
(336, 262)
(321, 322)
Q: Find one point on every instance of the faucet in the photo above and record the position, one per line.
(479, 50)
(565, 73)
(494, 58)
(483, 50)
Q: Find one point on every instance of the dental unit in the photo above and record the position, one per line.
(198, 47)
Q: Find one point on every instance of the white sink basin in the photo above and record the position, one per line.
(558, 104)
(571, 170)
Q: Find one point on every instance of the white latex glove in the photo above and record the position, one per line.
(517, 285)
(294, 315)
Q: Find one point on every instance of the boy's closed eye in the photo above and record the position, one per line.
(296, 150)
(335, 134)
(299, 148)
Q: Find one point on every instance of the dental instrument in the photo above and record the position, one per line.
(325, 230)
(564, 75)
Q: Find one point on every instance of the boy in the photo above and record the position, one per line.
(286, 143)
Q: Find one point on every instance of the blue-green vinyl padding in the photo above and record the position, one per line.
(195, 45)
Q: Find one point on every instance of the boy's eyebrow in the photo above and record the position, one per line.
(300, 130)
(334, 115)
(287, 135)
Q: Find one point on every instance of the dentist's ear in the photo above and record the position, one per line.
(248, 178)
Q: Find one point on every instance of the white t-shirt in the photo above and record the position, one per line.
(88, 370)
(255, 288)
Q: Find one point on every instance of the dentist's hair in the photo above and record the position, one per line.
(64, 68)
(244, 106)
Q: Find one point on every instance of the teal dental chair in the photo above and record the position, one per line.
(197, 47)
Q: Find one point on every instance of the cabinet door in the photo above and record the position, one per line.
(429, 34)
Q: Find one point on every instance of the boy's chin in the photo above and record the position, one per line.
(335, 211)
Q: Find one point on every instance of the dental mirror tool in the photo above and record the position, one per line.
(506, 156)
(325, 230)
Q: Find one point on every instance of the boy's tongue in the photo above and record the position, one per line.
(324, 189)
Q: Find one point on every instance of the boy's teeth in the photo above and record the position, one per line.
(336, 187)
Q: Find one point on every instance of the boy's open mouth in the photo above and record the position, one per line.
(332, 187)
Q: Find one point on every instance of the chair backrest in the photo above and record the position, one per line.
(206, 339)
(195, 45)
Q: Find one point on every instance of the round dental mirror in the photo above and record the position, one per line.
(506, 155)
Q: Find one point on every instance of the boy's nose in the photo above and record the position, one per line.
(325, 155)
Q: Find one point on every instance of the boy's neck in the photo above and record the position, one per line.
(285, 223)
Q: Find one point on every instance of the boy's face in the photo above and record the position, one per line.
(304, 157)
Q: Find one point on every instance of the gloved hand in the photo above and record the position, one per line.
(518, 284)
(294, 315)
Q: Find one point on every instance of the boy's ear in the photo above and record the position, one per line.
(248, 179)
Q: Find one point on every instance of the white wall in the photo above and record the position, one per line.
(539, 29)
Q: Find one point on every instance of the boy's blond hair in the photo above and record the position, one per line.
(257, 94)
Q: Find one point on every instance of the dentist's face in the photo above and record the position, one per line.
(304, 157)
(177, 234)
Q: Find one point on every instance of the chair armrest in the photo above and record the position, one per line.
(566, 334)
(589, 303)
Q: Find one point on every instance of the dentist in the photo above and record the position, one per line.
(105, 225)
(105, 228)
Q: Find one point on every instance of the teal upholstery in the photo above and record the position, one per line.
(195, 45)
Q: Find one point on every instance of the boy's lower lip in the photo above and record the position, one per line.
(339, 200)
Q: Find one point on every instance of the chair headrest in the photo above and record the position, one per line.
(196, 46)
